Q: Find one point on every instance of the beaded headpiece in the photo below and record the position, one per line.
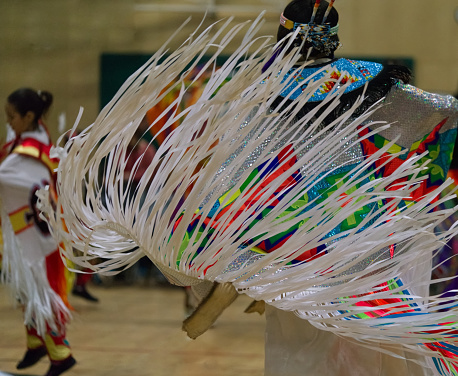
(318, 36)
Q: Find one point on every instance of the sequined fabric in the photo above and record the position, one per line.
(416, 109)
(414, 112)
(421, 121)
(351, 153)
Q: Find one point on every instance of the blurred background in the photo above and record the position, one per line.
(58, 45)
(81, 51)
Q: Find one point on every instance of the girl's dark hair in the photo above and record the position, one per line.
(26, 99)
(301, 11)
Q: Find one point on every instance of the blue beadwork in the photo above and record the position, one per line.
(357, 71)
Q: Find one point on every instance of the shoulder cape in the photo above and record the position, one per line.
(351, 283)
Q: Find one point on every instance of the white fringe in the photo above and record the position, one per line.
(105, 225)
(28, 285)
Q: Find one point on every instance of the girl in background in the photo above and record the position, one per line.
(32, 267)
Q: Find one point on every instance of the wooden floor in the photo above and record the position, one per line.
(136, 331)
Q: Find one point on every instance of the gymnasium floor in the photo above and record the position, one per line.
(136, 331)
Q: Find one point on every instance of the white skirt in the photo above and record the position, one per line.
(296, 348)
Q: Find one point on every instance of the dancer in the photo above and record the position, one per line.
(32, 266)
(310, 201)
(286, 334)
(291, 343)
